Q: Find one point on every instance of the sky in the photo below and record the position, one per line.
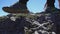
(33, 5)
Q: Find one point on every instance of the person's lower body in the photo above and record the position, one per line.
(49, 6)
(19, 7)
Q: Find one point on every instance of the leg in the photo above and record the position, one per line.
(50, 7)
(23, 1)
(50, 3)
(59, 3)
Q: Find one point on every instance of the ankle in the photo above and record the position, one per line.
(23, 2)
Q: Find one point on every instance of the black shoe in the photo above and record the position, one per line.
(16, 8)
(51, 10)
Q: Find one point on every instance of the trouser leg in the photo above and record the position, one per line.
(23, 1)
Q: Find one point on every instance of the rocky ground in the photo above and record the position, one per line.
(31, 23)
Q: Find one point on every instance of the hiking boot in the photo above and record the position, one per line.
(18, 7)
(52, 10)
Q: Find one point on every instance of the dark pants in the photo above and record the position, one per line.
(23, 1)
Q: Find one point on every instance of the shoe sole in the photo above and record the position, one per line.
(9, 10)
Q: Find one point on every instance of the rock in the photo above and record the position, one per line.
(43, 24)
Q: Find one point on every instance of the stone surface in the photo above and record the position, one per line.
(41, 24)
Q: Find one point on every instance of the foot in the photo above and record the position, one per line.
(16, 8)
(52, 10)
